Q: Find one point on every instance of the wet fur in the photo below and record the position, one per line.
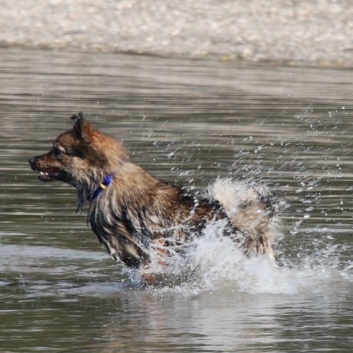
(138, 212)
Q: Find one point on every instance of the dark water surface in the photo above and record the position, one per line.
(187, 122)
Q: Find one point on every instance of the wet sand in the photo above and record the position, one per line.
(297, 32)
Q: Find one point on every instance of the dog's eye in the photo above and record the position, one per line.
(56, 152)
(59, 151)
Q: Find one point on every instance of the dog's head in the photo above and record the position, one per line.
(80, 154)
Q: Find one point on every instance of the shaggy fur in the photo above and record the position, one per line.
(137, 212)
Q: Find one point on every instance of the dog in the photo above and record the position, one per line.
(132, 212)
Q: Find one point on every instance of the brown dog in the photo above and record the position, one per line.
(131, 212)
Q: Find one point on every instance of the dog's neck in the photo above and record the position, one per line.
(89, 191)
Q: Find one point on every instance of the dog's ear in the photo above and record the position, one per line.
(81, 126)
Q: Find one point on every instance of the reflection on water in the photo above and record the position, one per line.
(186, 122)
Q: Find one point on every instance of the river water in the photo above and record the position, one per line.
(187, 122)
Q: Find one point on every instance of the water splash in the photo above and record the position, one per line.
(215, 263)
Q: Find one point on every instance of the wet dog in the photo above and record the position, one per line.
(132, 212)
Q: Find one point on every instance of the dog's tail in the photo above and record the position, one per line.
(252, 209)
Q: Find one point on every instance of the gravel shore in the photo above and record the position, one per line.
(316, 32)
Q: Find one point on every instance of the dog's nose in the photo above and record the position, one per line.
(32, 162)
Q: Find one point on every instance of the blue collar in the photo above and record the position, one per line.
(102, 186)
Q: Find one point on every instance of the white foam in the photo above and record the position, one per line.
(214, 263)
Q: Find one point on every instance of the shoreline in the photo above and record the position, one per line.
(287, 32)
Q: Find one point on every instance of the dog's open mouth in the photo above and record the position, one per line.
(49, 174)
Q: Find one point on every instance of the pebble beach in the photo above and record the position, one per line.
(297, 32)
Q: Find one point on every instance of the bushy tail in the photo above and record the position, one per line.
(252, 209)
